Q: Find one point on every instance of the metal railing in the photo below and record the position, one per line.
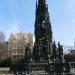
(36, 74)
(35, 71)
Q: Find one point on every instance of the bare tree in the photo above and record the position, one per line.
(2, 37)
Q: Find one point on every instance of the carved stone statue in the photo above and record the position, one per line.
(60, 50)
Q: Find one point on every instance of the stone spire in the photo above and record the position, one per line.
(41, 2)
(43, 31)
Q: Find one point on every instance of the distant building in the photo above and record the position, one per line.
(72, 51)
(17, 45)
(3, 51)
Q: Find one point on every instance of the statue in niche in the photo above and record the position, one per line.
(60, 50)
(55, 52)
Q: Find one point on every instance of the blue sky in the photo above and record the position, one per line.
(19, 15)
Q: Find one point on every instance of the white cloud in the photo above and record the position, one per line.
(14, 27)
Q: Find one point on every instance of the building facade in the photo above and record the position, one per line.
(17, 45)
